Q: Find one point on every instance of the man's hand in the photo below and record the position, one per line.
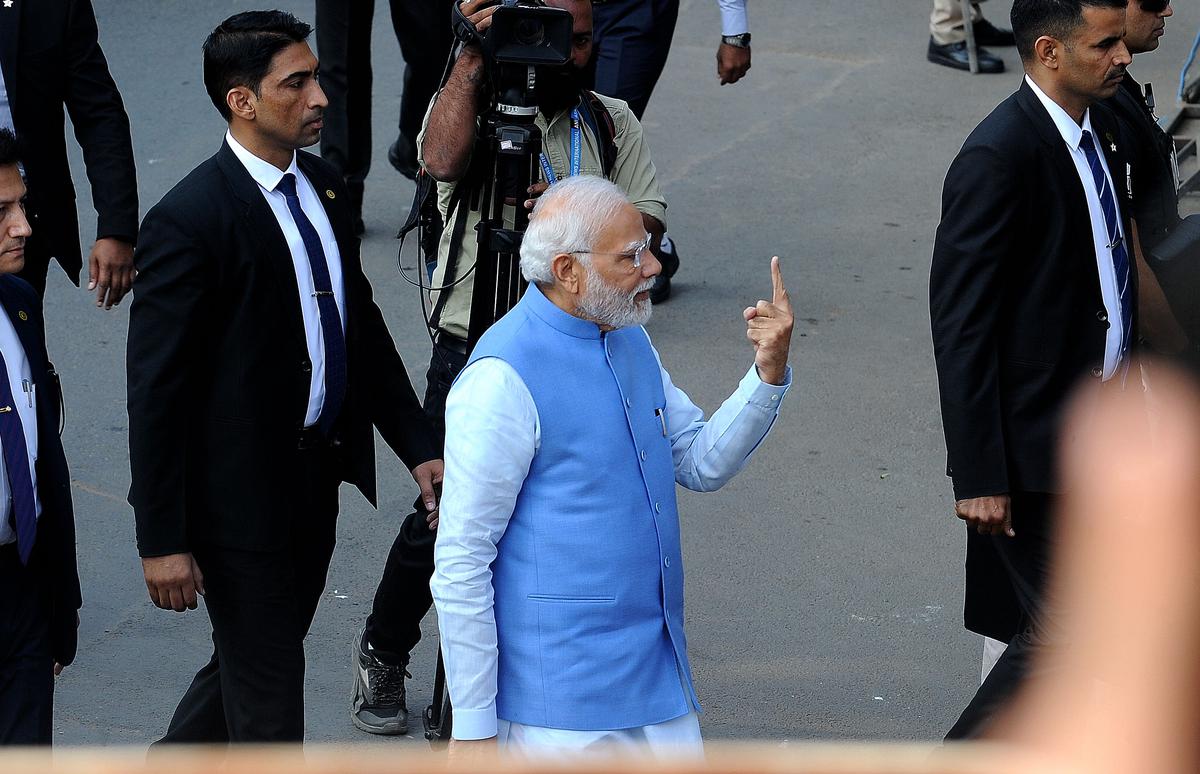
(463, 750)
(535, 190)
(482, 19)
(769, 328)
(110, 271)
(732, 63)
(428, 476)
(991, 515)
(173, 581)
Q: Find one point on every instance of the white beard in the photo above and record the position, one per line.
(606, 304)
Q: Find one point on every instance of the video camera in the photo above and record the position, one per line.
(525, 38)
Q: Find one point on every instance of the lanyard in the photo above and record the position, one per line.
(576, 151)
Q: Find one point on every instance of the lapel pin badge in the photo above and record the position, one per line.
(1112, 145)
(8, 3)
(23, 315)
(329, 192)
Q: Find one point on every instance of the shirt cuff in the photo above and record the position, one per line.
(471, 724)
(758, 393)
(734, 21)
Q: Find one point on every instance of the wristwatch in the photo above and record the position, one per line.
(740, 41)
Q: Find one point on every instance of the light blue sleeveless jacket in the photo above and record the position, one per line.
(589, 578)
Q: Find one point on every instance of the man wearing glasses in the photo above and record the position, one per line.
(558, 570)
(582, 133)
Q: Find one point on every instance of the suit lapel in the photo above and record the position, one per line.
(265, 231)
(10, 38)
(1064, 168)
(335, 211)
(1108, 137)
(26, 326)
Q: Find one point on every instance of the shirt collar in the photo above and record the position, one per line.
(264, 173)
(1071, 132)
(556, 318)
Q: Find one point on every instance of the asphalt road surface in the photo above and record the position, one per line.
(824, 584)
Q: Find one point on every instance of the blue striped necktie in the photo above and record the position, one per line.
(16, 464)
(331, 322)
(1120, 257)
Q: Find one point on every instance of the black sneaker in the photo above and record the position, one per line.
(377, 706)
(668, 256)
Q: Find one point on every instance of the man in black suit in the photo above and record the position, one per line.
(50, 58)
(1032, 288)
(39, 581)
(1155, 182)
(257, 365)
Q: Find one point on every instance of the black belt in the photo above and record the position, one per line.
(311, 438)
(451, 342)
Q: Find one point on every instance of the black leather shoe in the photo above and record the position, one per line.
(955, 55)
(668, 255)
(988, 34)
(403, 157)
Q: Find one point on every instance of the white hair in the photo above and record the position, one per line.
(568, 218)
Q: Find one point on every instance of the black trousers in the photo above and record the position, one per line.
(402, 598)
(26, 666)
(422, 28)
(37, 264)
(1027, 561)
(632, 39)
(261, 604)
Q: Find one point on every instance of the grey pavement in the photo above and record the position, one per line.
(824, 584)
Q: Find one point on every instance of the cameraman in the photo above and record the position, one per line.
(445, 146)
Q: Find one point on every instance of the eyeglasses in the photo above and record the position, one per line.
(1154, 6)
(634, 256)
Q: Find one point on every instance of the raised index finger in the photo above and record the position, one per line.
(779, 292)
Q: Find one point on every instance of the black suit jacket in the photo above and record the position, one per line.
(50, 59)
(218, 369)
(1155, 198)
(1015, 301)
(53, 558)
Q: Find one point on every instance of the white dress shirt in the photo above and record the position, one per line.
(20, 381)
(492, 435)
(267, 176)
(1072, 133)
(733, 17)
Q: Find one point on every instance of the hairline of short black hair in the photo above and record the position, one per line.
(1032, 19)
(10, 147)
(240, 50)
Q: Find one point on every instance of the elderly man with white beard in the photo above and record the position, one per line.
(558, 570)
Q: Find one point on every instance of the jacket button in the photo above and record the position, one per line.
(666, 561)
(629, 403)
(643, 455)
(305, 367)
(1102, 316)
(1097, 372)
(658, 507)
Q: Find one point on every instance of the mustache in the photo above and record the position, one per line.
(643, 287)
(1116, 72)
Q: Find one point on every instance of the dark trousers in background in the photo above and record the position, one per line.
(1027, 561)
(37, 264)
(632, 39)
(261, 604)
(26, 666)
(403, 598)
(422, 28)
